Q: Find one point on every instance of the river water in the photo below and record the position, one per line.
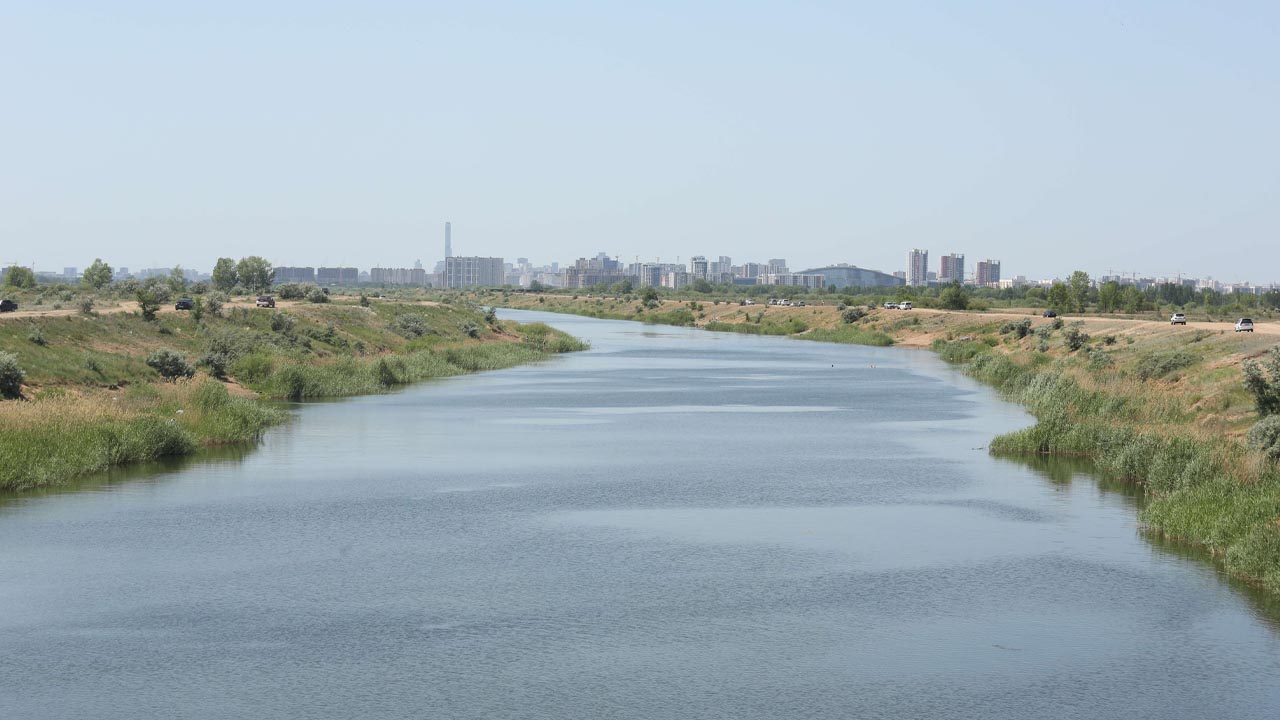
(675, 524)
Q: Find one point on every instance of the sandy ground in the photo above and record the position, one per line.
(128, 307)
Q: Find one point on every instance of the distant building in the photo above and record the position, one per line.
(841, 276)
(988, 273)
(337, 275)
(699, 268)
(285, 274)
(471, 271)
(778, 266)
(398, 276)
(917, 267)
(70, 273)
(952, 268)
(812, 282)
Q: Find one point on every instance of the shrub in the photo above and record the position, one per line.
(217, 363)
(1057, 323)
(470, 329)
(85, 305)
(291, 291)
(214, 301)
(35, 335)
(1265, 436)
(283, 323)
(491, 316)
(853, 315)
(148, 303)
(317, 296)
(11, 376)
(364, 300)
(170, 364)
(1157, 365)
(1108, 339)
(1265, 390)
(410, 325)
(1099, 360)
(1074, 338)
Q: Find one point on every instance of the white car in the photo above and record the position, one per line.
(905, 306)
(1244, 325)
(1178, 319)
(891, 306)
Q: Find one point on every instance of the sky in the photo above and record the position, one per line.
(1135, 137)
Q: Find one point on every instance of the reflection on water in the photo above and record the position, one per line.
(470, 548)
(1065, 470)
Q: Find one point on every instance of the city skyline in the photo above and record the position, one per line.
(842, 133)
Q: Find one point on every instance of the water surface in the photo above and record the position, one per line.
(676, 524)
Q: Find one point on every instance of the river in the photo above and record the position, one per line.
(675, 524)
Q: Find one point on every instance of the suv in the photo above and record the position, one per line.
(266, 301)
(891, 306)
(1244, 325)
(1050, 313)
(905, 306)
(1178, 319)
(184, 303)
(8, 306)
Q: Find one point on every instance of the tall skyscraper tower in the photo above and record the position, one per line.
(448, 240)
(951, 268)
(918, 267)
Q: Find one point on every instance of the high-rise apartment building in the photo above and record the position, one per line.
(699, 268)
(448, 240)
(461, 272)
(988, 273)
(286, 274)
(952, 268)
(918, 267)
(398, 276)
(337, 275)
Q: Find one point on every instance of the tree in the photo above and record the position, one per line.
(177, 280)
(1080, 290)
(98, 275)
(255, 273)
(20, 277)
(224, 274)
(702, 286)
(1131, 299)
(1109, 297)
(536, 287)
(11, 376)
(650, 298)
(622, 287)
(148, 303)
(954, 297)
(1059, 296)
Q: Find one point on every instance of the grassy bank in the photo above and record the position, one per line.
(1164, 413)
(823, 323)
(94, 394)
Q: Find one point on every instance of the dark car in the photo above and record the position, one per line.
(266, 301)
(1051, 313)
(8, 306)
(183, 304)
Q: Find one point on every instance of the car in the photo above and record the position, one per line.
(1244, 325)
(266, 301)
(748, 301)
(799, 303)
(1178, 319)
(891, 306)
(1050, 313)
(184, 303)
(905, 306)
(8, 306)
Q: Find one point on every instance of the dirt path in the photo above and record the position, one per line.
(128, 306)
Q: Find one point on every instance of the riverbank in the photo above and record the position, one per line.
(95, 391)
(1161, 407)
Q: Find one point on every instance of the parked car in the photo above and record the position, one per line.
(905, 306)
(799, 303)
(749, 301)
(1178, 319)
(891, 306)
(8, 306)
(1050, 313)
(1244, 325)
(184, 303)
(266, 301)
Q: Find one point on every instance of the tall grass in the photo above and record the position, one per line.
(62, 436)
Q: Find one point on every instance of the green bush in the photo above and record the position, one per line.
(317, 296)
(36, 335)
(11, 376)
(1158, 364)
(411, 325)
(291, 291)
(170, 364)
(852, 315)
(1074, 338)
(1265, 436)
(1263, 382)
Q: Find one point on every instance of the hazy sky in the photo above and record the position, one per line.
(1053, 136)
